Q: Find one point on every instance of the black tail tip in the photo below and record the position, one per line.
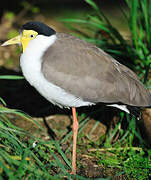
(135, 111)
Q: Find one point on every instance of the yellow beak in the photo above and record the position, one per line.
(15, 40)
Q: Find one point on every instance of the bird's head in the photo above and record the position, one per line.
(30, 31)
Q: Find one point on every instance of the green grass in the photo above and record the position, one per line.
(128, 159)
(122, 148)
(19, 160)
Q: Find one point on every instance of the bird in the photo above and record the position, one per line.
(70, 72)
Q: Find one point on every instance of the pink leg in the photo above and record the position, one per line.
(75, 132)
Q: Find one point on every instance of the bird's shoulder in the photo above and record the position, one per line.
(78, 45)
(71, 52)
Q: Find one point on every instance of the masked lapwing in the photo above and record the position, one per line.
(70, 73)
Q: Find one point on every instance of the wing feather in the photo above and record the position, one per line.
(88, 72)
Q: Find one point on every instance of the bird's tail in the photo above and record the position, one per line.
(135, 111)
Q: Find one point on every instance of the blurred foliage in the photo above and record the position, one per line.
(12, 33)
(16, 6)
(9, 15)
(30, 7)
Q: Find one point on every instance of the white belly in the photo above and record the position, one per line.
(30, 62)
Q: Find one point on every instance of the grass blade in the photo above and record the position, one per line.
(11, 77)
(133, 25)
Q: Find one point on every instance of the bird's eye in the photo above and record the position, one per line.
(31, 35)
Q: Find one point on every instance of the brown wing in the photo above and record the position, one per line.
(88, 72)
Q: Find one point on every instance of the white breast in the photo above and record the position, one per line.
(30, 62)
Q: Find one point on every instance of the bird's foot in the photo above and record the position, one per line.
(73, 172)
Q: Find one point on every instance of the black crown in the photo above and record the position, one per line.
(39, 27)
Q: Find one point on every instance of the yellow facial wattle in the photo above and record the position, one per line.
(23, 39)
(26, 36)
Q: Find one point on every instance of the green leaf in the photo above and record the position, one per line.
(3, 102)
(92, 4)
(11, 77)
(133, 22)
